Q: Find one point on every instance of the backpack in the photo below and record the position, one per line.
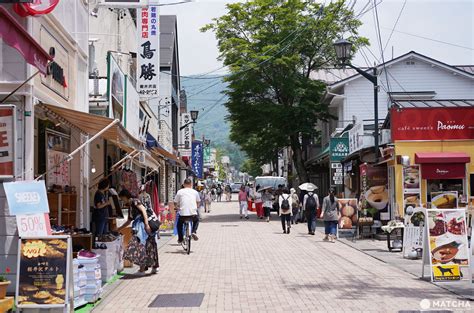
(310, 202)
(285, 204)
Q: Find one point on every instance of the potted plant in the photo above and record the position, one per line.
(4, 284)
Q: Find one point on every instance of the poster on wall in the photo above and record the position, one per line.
(444, 199)
(116, 89)
(349, 213)
(411, 179)
(7, 140)
(448, 244)
(374, 196)
(58, 169)
(43, 272)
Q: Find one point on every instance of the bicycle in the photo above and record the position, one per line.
(187, 228)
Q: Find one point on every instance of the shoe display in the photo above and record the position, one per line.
(86, 254)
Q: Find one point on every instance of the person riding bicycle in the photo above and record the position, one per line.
(187, 200)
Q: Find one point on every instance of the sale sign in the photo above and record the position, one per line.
(7, 142)
(33, 225)
(26, 197)
(439, 123)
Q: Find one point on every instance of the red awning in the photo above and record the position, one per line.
(441, 157)
(14, 35)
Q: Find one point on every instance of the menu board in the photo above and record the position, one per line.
(374, 197)
(444, 199)
(414, 229)
(411, 188)
(43, 272)
(448, 245)
(349, 213)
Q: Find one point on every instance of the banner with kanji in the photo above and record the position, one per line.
(148, 51)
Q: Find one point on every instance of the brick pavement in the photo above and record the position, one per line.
(250, 266)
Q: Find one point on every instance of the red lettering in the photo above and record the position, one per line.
(3, 139)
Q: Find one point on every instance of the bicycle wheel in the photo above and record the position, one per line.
(188, 238)
(185, 235)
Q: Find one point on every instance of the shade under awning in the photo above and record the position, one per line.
(92, 124)
(16, 36)
(441, 157)
(169, 156)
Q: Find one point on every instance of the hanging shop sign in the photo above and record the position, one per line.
(26, 197)
(197, 158)
(349, 213)
(356, 138)
(338, 149)
(7, 140)
(432, 123)
(43, 278)
(148, 51)
(337, 177)
(447, 243)
(444, 170)
(58, 71)
(374, 193)
(115, 89)
(186, 131)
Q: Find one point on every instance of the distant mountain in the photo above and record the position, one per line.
(205, 94)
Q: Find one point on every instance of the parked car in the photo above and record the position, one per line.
(235, 187)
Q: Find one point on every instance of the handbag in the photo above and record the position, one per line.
(153, 220)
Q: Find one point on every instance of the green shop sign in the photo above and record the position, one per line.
(338, 149)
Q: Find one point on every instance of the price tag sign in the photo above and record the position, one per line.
(26, 197)
(33, 225)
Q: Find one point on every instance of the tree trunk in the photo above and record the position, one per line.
(298, 159)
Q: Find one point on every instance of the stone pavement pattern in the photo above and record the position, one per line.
(251, 266)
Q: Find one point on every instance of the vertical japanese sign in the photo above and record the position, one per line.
(186, 131)
(59, 173)
(197, 158)
(148, 52)
(7, 142)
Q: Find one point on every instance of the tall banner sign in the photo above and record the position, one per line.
(7, 141)
(454, 123)
(197, 158)
(148, 51)
(186, 134)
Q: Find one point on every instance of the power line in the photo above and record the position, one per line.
(376, 14)
(395, 25)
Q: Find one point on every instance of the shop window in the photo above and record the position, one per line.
(436, 185)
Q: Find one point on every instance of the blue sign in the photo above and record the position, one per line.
(26, 197)
(197, 158)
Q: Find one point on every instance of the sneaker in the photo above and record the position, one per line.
(326, 238)
(155, 270)
(180, 241)
(86, 254)
(312, 233)
(195, 237)
(288, 231)
(247, 217)
(284, 231)
(241, 217)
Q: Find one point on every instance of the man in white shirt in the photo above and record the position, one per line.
(187, 200)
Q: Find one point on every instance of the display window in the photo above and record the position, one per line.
(436, 187)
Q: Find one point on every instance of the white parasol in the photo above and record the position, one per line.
(308, 187)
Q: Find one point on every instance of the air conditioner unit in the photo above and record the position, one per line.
(128, 4)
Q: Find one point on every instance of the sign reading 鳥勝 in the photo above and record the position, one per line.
(432, 123)
(148, 51)
(197, 158)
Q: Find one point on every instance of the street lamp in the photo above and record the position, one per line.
(194, 116)
(343, 51)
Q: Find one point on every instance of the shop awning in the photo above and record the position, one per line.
(168, 156)
(441, 157)
(14, 35)
(92, 124)
(442, 165)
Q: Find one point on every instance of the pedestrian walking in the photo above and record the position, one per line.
(207, 207)
(219, 193)
(267, 198)
(330, 213)
(285, 204)
(257, 198)
(311, 205)
(243, 203)
(142, 249)
(295, 206)
(228, 193)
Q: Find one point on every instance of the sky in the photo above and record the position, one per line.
(448, 21)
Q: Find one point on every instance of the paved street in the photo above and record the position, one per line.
(250, 266)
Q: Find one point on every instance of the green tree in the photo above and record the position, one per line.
(271, 47)
(251, 167)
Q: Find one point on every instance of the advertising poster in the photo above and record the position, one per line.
(414, 230)
(411, 179)
(448, 245)
(58, 168)
(349, 213)
(444, 200)
(7, 142)
(374, 193)
(43, 265)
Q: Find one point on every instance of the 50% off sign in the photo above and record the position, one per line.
(33, 225)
